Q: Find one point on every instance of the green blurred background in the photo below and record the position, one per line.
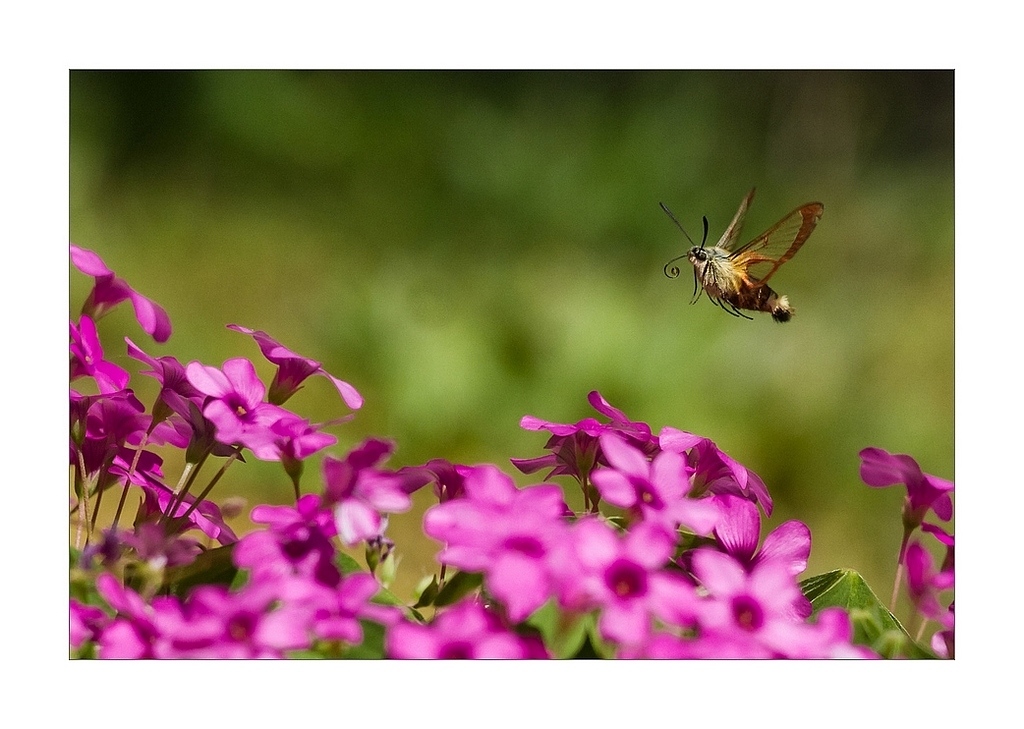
(467, 248)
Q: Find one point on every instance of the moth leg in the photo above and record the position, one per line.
(741, 314)
(732, 309)
(722, 305)
(697, 289)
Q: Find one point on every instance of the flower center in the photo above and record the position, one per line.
(456, 649)
(626, 578)
(747, 612)
(648, 496)
(241, 626)
(525, 544)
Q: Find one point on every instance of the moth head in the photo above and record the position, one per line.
(698, 254)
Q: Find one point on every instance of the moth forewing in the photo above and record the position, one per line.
(733, 231)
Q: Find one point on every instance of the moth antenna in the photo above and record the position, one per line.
(705, 238)
(678, 224)
(674, 271)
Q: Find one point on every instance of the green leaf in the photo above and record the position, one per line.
(384, 596)
(373, 642)
(873, 625)
(212, 567)
(460, 585)
(347, 564)
(82, 584)
(564, 634)
(428, 595)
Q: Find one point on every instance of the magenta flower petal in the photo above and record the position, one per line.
(625, 622)
(880, 468)
(623, 457)
(520, 582)
(790, 543)
(739, 528)
(719, 572)
(672, 439)
(649, 544)
(508, 534)
(356, 521)
(615, 488)
(385, 493)
(89, 262)
(151, 317)
(208, 380)
(244, 380)
(348, 393)
(532, 465)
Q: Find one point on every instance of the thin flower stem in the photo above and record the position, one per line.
(213, 482)
(81, 487)
(920, 630)
(120, 504)
(128, 478)
(188, 477)
(896, 587)
(96, 510)
(899, 572)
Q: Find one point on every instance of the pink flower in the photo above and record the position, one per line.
(87, 359)
(109, 290)
(714, 470)
(943, 641)
(335, 613)
(448, 479)
(360, 493)
(176, 392)
(465, 630)
(879, 468)
(133, 632)
(761, 605)
(739, 529)
(235, 405)
(655, 490)
(925, 583)
(206, 516)
(213, 622)
(86, 623)
(504, 532)
(625, 579)
(296, 439)
(755, 614)
(293, 369)
(574, 448)
(296, 541)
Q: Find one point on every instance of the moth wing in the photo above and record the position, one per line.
(733, 231)
(762, 257)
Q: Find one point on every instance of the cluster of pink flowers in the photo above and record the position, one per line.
(673, 567)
